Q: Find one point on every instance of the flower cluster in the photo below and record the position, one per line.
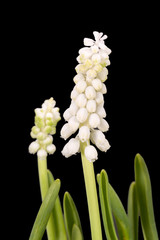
(46, 119)
(86, 112)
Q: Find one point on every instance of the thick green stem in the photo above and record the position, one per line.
(92, 199)
(43, 179)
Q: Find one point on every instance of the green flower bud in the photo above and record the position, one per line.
(35, 130)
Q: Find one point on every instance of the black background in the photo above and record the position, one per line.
(51, 40)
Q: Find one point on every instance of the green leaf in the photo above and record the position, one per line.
(144, 195)
(45, 211)
(71, 216)
(133, 210)
(106, 206)
(76, 233)
(120, 216)
(57, 215)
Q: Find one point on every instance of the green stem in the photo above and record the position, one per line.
(44, 186)
(92, 199)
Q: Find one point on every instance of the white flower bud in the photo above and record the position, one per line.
(98, 68)
(104, 146)
(73, 108)
(82, 115)
(48, 140)
(96, 58)
(73, 123)
(98, 138)
(81, 86)
(51, 148)
(103, 74)
(74, 93)
(97, 84)
(80, 68)
(84, 133)
(78, 77)
(103, 89)
(89, 80)
(103, 54)
(90, 92)
(108, 62)
(67, 114)
(85, 52)
(101, 111)
(99, 97)
(71, 148)
(49, 116)
(56, 114)
(39, 113)
(42, 154)
(41, 136)
(49, 104)
(66, 131)
(91, 106)
(94, 49)
(33, 147)
(91, 153)
(103, 126)
(91, 73)
(94, 120)
(81, 100)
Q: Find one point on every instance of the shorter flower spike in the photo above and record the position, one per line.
(86, 112)
(46, 119)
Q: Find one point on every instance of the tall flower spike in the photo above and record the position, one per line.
(86, 112)
(46, 119)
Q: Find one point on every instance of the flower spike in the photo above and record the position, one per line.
(86, 112)
(46, 119)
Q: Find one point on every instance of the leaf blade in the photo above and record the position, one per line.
(144, 195)
(133, 213)
(76, 233)
(71, 215)
(119, 213)
(105, 206)
(57, 215)
(45, 211)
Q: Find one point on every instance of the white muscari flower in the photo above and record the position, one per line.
(73, 123)
(99, 98)
(42, 154)
(91, 73)
(78, 77)
(91, 153)
(51, 148)
(66, 131)
(33, 147)
(71, 148)
(91, 106)
(74, 93)
(97, 84)
(67, 114)
(84, 133)
(94, 120)
(103, 74)
(73, 108)
(90, 92)
(46, 119)
(81, 86)
(86, 112)
(82, 115)
(103, 126)
(81, 100)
